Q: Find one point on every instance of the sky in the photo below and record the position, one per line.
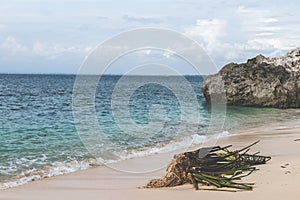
(55, 36)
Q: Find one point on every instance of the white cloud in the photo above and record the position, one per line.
(242, 9)
(143, 19)
(254, 20)
(256, 34)
(147, 52)
(269, 28)
(210, 30)
(213, 33)
(49, 51)
(168, 54)
(264, 31)
(11, 44)
(265, 44)
(268, 20)
(264, 34)
(251, 11)
(55, 50)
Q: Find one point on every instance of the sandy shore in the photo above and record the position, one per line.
(279, 179)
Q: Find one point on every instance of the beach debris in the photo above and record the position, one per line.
(297, 140)
(213, 168)
(285, 165)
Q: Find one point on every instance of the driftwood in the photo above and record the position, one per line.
(215, 166)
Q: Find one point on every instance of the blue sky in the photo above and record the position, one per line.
(55, 36)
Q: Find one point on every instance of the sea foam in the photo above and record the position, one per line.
(60, 168)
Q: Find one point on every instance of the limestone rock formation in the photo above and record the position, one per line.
(260, 82)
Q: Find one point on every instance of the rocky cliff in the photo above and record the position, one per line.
(261, 82)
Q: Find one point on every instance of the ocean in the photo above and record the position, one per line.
(39, 139)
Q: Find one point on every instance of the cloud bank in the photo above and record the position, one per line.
(54, 37)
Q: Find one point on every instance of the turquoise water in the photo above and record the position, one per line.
(38, 137)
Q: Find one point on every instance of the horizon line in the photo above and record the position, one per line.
(71, 74)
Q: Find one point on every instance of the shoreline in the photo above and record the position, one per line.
(277, 179)
(180, 145)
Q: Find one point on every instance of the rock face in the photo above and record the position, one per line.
(260, 82)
